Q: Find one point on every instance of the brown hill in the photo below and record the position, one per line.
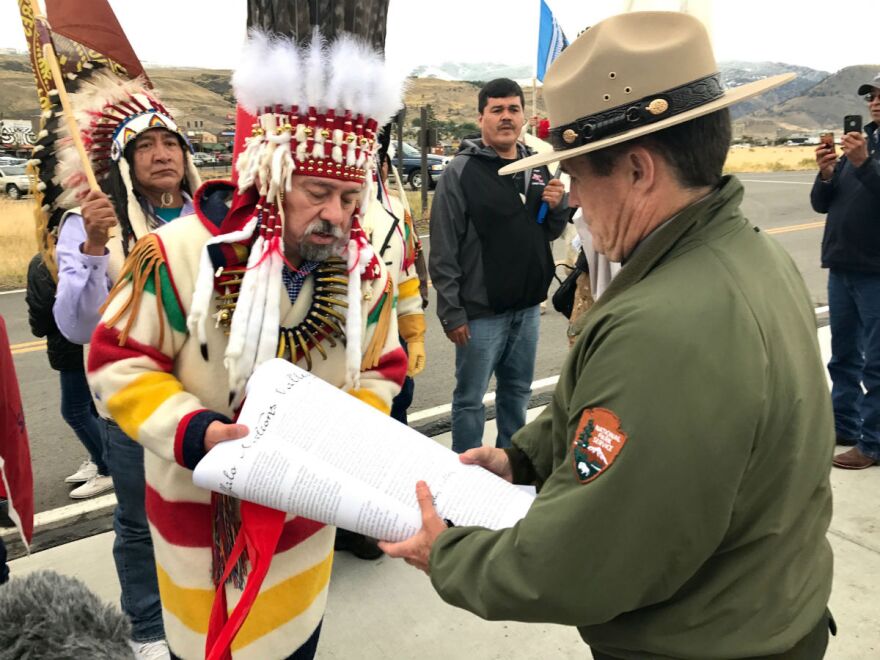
(206, 94)
(822, 107)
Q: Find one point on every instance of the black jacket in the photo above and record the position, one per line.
(852, 201)
(40, 297)
(489, 254)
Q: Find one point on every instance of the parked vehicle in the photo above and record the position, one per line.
(411, 170)
(14, 181)
(201, 158)
(9, 161)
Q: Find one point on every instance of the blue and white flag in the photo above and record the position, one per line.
(551, 40)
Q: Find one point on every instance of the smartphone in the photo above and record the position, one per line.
(828, 140)
(852, 124)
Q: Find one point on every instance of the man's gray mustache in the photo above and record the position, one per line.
(324, 227)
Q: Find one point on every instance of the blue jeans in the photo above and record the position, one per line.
(133, 547)
(403, 400)
(79, 412)
(854, 313)
(504, 344)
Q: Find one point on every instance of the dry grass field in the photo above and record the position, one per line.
(19, 243)
(17, 239)
(770, 159)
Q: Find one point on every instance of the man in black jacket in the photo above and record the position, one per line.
(848, 190)
(66, 358)
(490, 263)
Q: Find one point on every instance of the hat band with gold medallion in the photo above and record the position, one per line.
(645, 111)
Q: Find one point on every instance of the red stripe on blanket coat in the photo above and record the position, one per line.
(188, 524)
(392, 366)
(105, 348)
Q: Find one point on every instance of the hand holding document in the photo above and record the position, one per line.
(317, 452)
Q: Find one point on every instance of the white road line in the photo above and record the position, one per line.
(489, 398)
(72, 511)
(793, 183)
(6, 293)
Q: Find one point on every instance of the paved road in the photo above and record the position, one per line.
(778, 203)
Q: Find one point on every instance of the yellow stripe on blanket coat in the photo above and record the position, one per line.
(408, 288)
(285, 601)
(191, 606)
(273, 608)
(132, 405)
(371, 399)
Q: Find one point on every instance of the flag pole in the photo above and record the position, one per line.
(535, 105)
(40, 23)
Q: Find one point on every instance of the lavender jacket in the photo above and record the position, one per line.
(83, 282)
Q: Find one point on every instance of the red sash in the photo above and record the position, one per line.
(16, 480)
(259, 533)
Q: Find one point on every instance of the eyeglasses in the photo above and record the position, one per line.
(870, 96)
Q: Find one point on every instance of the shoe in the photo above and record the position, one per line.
(85, 472)
(845, 442)
(94, 486)
(359, 545)
(157, 650)
(853, 459)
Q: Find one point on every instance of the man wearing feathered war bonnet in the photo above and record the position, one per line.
(273, 264)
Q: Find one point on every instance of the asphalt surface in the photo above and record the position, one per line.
(777, 203)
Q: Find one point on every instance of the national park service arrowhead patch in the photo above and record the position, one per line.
(596, 444)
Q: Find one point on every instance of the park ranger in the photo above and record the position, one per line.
(683, 464)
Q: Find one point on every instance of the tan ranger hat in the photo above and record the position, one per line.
(630, 75)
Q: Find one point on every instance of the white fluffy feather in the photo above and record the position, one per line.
(345, 75)
(253, 81)
(315, 73)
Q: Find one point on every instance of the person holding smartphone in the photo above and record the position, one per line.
(848, 190)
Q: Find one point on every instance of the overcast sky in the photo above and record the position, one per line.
(205, 33)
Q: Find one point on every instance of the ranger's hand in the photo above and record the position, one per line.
(98, 219)
(218, 432)
(855, 146)
(825, 159)
(459, 336)
(553, 193)
(416, 550)
(491, 458)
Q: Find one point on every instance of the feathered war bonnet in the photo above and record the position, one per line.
(316, 110)
(111, 112)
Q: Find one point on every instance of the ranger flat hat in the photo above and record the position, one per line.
(864, 88)
(630, 75)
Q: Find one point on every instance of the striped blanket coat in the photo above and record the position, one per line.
(159, 388)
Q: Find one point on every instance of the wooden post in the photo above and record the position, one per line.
(423, 143)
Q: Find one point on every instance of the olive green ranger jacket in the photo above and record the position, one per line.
(683, 463)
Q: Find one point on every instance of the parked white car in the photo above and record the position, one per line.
(8, 161)
(203, 158)
(14, 181)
